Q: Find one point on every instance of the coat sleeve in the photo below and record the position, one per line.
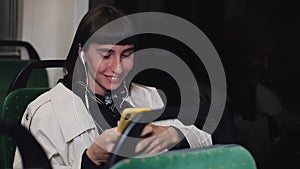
(42, 124)
(194, 136)
(151, 97)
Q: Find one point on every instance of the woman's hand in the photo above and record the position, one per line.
(159, 138)
(100, 150)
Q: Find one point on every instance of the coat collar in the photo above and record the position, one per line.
(70, 111)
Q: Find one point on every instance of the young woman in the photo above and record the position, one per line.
(75, 122)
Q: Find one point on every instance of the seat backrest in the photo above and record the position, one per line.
(19, 95)
(22, 79)
(10, 47)
(219, 156)
(9, 69)
(32, 153)
(14, 106)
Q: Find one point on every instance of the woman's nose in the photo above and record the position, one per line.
(116, 65)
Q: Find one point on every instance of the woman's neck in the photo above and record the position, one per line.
(95, 87)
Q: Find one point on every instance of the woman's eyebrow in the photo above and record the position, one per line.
(128, 49)
(104, 50)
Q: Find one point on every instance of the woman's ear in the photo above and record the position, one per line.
(81, 53)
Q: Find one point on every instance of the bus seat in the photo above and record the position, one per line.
(12, 49)
(9, 70)
(219, 156)
(20, 93)
(13, 108)
(33, 155)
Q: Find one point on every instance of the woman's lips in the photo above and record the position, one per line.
(113, 79)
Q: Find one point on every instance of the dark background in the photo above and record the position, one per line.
(254, 23)
(265, 29)
(268, 28)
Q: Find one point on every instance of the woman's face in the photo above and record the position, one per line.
(108, 65)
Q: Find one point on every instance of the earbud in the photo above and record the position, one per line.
(81, 55)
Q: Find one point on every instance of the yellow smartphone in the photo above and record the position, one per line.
(128, 114)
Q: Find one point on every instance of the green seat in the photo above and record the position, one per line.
(10, 69)
(32, 153)
(215, 157)
(13, 108)
(24, 88)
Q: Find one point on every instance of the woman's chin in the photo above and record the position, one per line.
(113, 86)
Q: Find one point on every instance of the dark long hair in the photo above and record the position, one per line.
(89, 31)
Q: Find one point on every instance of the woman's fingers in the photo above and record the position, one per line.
(161, 138)
(108, 139)
(103, 145)
(155, 146)
(151, 145)
(143, 145)
(148, 129)
(97, 154)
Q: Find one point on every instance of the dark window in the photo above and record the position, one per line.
(8, 19)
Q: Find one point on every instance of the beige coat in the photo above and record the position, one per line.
(61, 123)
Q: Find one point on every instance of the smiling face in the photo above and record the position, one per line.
(108, 65)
